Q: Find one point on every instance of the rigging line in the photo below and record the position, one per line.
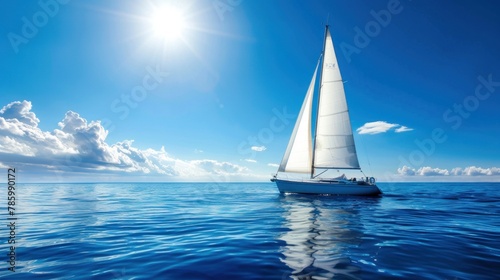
(327, 115)
(336, 81)
(338, 135)
(315, 176)
(338, 168)
(328, 82)
(363, 173)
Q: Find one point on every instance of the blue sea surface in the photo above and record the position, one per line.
(251, 231)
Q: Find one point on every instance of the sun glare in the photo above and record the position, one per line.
(168, 23)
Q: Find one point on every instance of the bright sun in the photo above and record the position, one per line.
(168, 23)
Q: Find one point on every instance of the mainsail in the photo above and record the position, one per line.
(334, 143)
(298, 155)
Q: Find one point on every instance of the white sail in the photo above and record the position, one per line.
(334, 144)
(298, 155)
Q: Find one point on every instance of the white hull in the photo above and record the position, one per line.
(327, 187)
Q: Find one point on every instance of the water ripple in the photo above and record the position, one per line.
(250, 231)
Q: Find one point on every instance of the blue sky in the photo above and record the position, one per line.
(90, 92)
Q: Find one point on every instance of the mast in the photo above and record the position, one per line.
(317, 107)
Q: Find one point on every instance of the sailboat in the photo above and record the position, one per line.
(333, 145)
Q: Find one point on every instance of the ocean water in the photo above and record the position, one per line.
(250, 231)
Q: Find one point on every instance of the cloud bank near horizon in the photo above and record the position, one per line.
(457, 171)
(78, 148)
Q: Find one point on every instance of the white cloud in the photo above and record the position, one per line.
(381, 127)
(273, 165)
(250, 160)
(258, 148)
(478, 171)
(20, 111)
(375, 127)
(429, 171)
(457, 171)
(80, 148)
(10, 146)
(403, 129)
(406, 171)
(218, 168)
(11, 126)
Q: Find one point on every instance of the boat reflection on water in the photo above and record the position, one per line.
(321, 231)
